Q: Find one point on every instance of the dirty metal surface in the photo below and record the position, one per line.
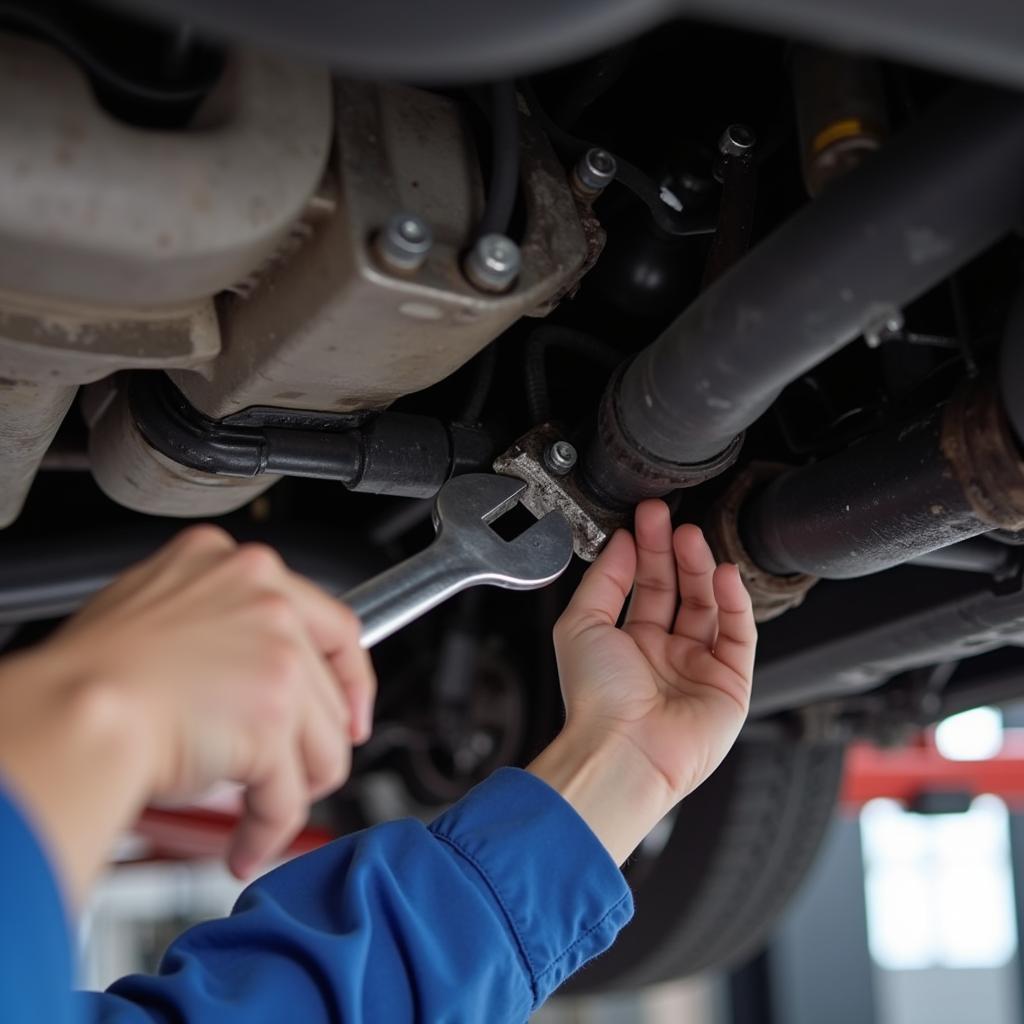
(332, 327)
(771, 595)
(97, 212)
(979, 444)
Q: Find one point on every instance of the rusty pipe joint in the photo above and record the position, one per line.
(616, 465)
(953, 473)
(981, 446)
(770, 594)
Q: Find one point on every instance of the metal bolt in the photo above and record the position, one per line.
(560, 457)
(596, 169)
(736, 140)
(885, 326)
(404, 242)
(493, 264)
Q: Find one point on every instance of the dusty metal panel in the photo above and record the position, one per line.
(334, 329)
(96, 211)
(29, 417)
(44, 357)
(113, 238)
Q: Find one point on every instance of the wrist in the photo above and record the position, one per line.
(609, 782)
(72, 748)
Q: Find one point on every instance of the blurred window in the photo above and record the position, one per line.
(939, 888)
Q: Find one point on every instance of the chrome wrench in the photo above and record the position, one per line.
(465, 553)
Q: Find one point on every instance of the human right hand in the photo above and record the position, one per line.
(675, 679)
(226, 665)
(651, 708)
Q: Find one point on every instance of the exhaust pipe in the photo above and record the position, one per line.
(899, 494)
(930, 201)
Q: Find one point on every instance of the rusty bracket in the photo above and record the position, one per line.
(592, 525)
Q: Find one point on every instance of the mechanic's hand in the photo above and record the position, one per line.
(668, 692)
(675, 680)
(232, 667)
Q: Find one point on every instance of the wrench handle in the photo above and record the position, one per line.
(406, 591)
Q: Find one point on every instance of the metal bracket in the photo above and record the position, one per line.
(592, 525)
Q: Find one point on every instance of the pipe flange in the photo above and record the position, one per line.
(979, 443)
(592, 524)
(627, 467)
(771, 595)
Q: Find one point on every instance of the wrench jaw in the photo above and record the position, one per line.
(463, 512)
(544, 552)
(466, 552)
(466, 501)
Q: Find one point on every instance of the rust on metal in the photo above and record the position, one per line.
(592, 525)
(771, 595)
(595, 236)
(982, 451)
(616, 463)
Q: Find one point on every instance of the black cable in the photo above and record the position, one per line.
(504, 183)
(570, 148)
(567, 339)
(48, 24)
(486, 363)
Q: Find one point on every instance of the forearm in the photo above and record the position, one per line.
(73, 754)
(609, 783)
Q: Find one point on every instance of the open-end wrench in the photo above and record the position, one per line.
(465, 553)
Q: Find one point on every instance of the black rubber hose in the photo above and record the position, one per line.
(670, 222)
(934, 198)
(175, 75)
(483, 380)
(567, 339)
(503, 186)
(389, 453)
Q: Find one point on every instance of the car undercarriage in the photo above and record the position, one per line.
(292, 267)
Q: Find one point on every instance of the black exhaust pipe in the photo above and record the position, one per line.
(935, 197)
(954, 473)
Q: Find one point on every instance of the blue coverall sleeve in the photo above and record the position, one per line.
(477, 918)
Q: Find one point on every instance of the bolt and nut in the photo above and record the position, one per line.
(596, 169)
(736, 140)
(886, 325)
(560, 457)
(404, 242)
(493, 264)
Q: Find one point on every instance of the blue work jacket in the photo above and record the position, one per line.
(477, 918)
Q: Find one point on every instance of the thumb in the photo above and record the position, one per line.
(602, 593)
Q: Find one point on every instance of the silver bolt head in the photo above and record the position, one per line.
(736, 140)
(493, 264)
(560, 457)
(596, 169)
(883, 327)
(405, 242)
